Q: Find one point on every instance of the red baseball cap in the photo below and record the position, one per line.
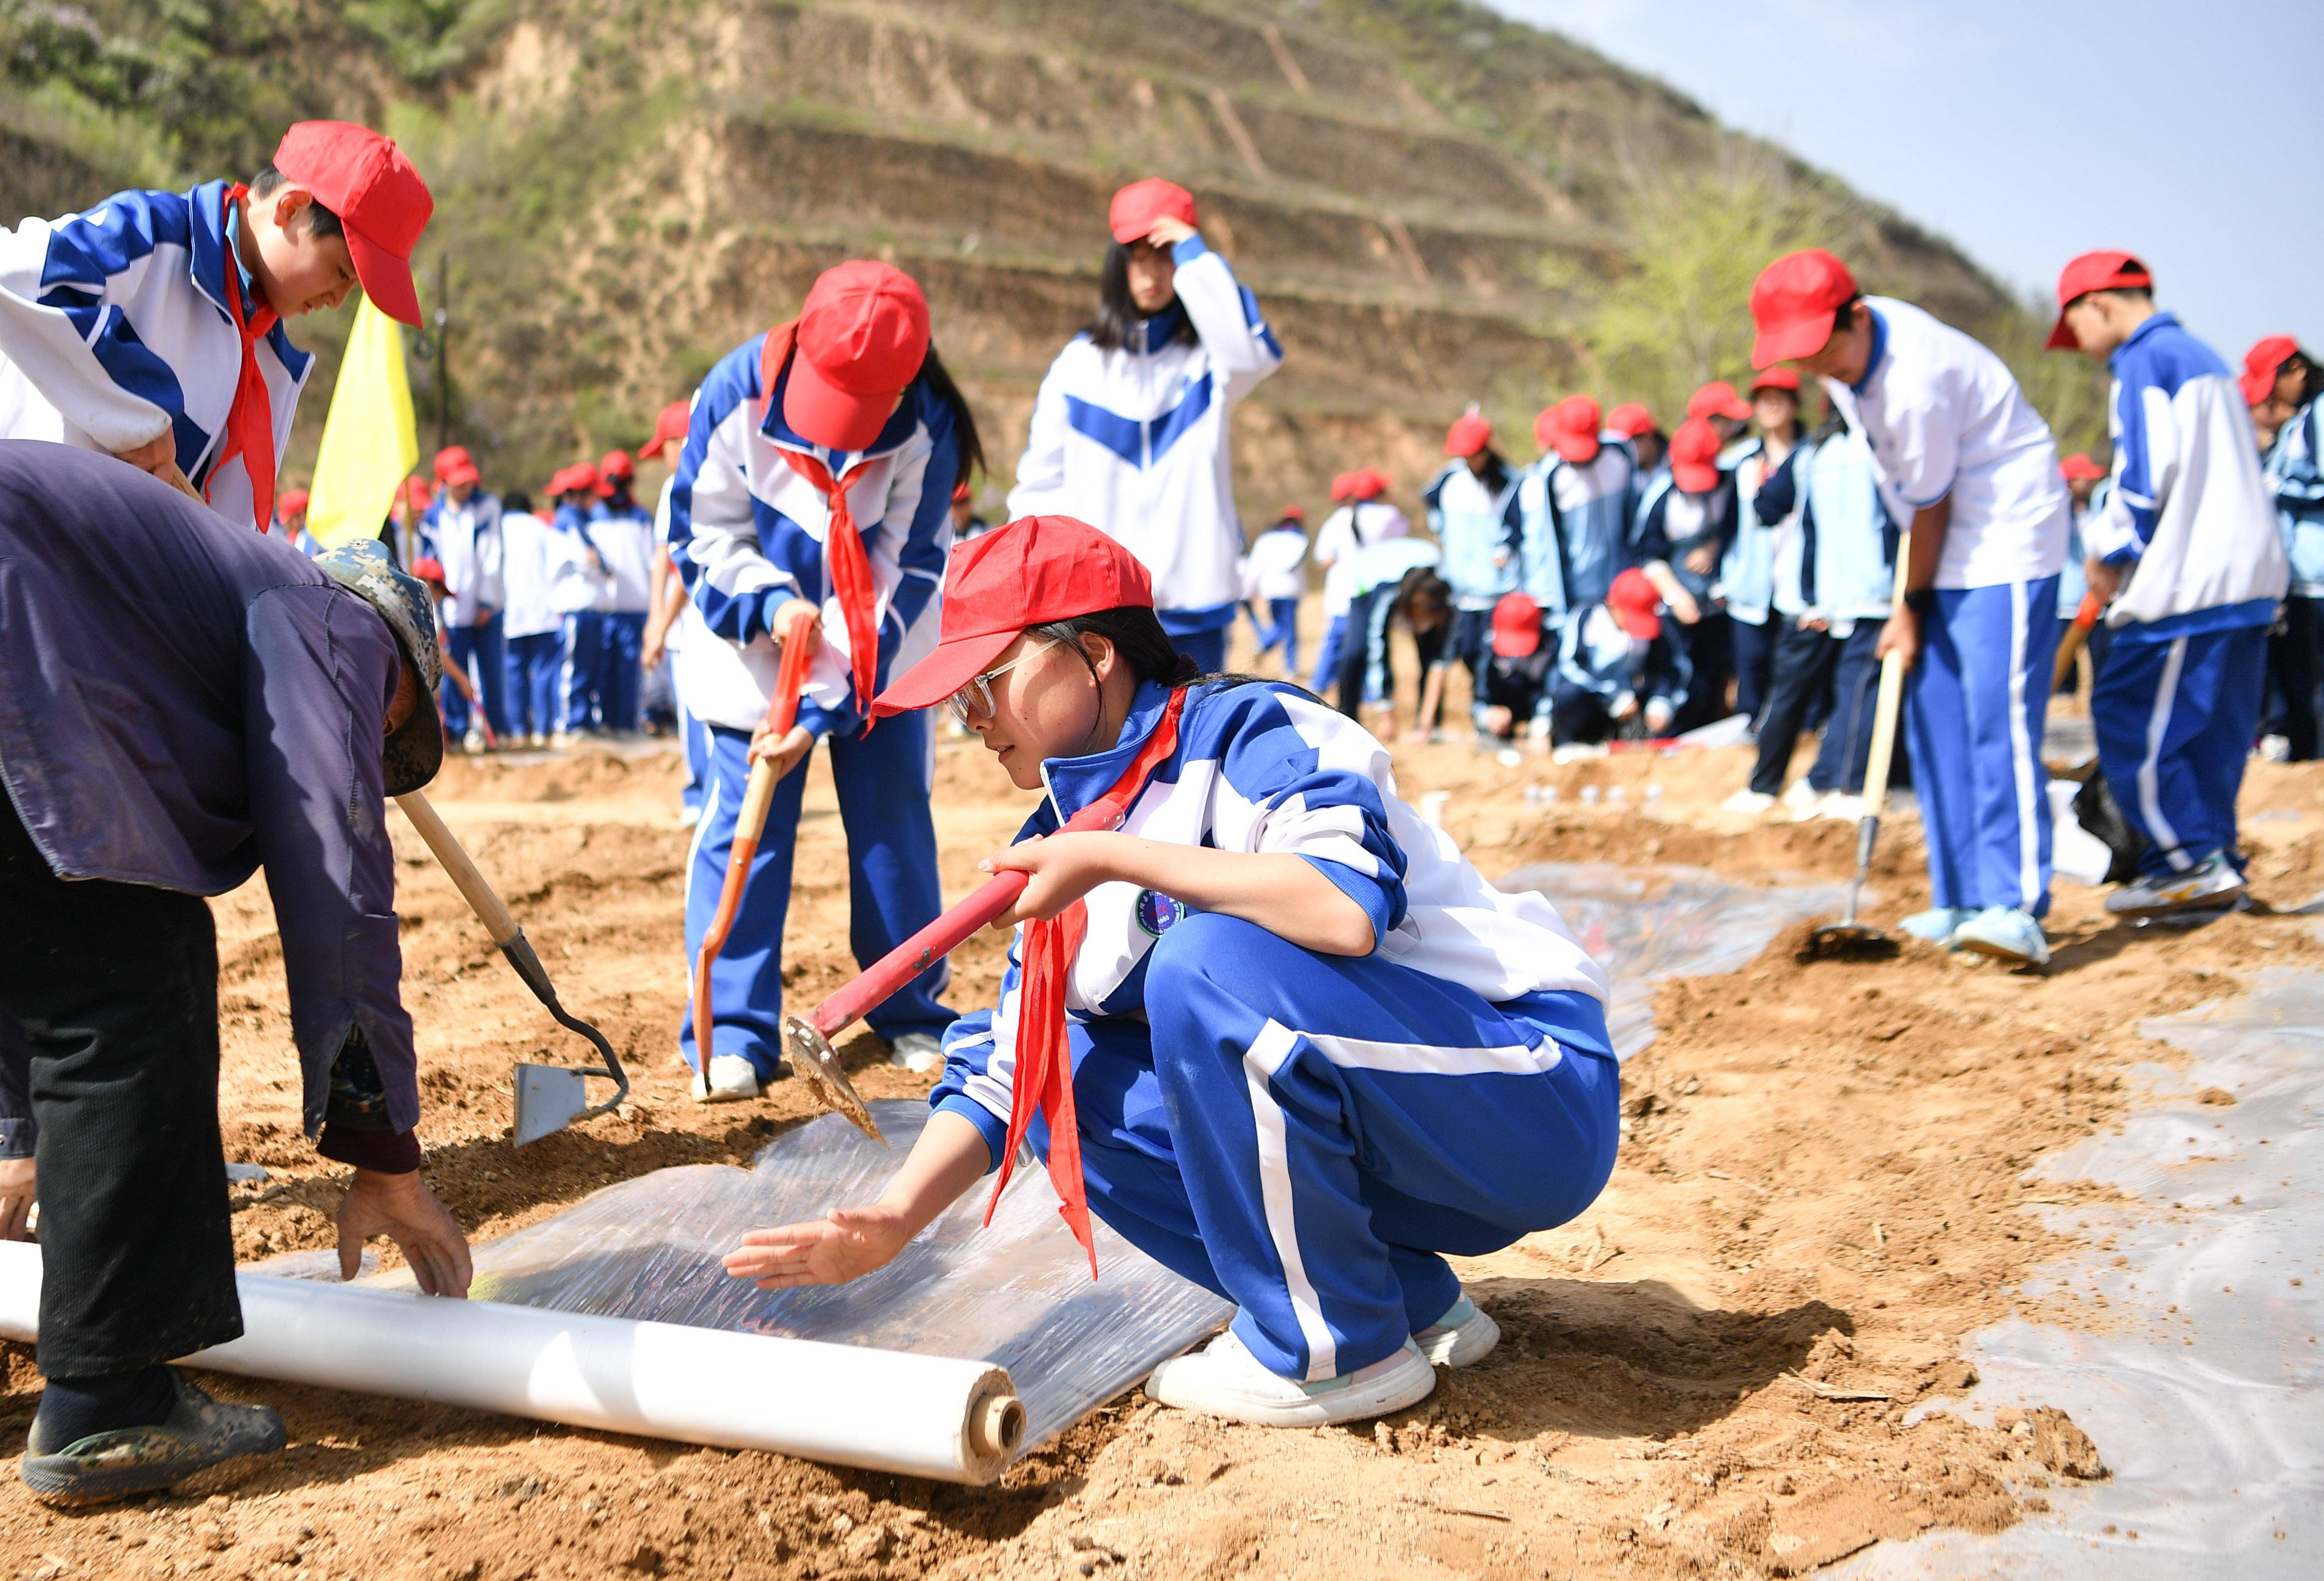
(616, 463)
(1037, 568)
(1717, 399)
(1793, 302)
(1369, 483)
(1631, 418)
(450, 456)
(1293, 512)
(862, 336)
(379, 200)
(461, 472)
(293, 503)
(417, 494)
(672, 424)
(1469, 433)
(1137, 206)
(2079, 468)
(579, 478)
(2263, 362)
(1516, 625)
(1776, 379)
(1570, 428)
(1344, 485)
(1695, 456)
(1631, 601)
(2093, 272)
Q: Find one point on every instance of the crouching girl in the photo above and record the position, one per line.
(1269, 1026)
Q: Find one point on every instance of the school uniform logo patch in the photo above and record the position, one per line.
(1157, 912)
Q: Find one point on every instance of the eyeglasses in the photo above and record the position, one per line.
(976, 697)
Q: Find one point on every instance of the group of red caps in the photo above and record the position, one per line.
(1575, 428)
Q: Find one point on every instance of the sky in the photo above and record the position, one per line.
(2031, 131)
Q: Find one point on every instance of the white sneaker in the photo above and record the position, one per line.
(1462, 1338)
(917, 1051)
(473, 741)
(1747, 800)
(2209, 884)
(1224, 1378)
(539, 740)
(1800, 798)
(732, 1079)
(1844, 805)
(561, 739)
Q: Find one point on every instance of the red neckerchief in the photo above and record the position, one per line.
(849, 567)
(1044, 1063)
(250, 421)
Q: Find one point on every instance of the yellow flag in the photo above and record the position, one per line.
(370, 444)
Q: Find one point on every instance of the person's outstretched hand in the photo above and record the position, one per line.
(404, 1210)
(848, 1245)
(18, 1184)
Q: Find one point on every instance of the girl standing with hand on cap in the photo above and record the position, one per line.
(150, 325)
(813, 504)
(1272, 1028)
(1129, 430)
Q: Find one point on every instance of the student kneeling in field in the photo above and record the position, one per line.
(1292, 1044)
(1515, 688)
(1621, 669)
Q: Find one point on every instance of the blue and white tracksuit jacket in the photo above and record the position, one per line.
(467, 543)
(1673, 523)
(1747, 570)
(113, 328)
(1308, 1133)
(1573, 524)
(747, 533)
(1134, 441)
(1844, 567)
(1474, 520)
(2177, 703)
(2074, 581)
(2295, 476)
(1601, 668)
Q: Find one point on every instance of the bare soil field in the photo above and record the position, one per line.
(1708, 1373)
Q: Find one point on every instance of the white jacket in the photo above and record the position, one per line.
(114, 330)
(468, 547)
(1345, 534)
(1134, 441)
(625, 543)
(534, 558)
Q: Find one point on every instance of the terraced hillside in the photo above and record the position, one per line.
(627, 188)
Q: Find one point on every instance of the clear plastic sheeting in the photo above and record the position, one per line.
(2203, 1384)
(1643, 925)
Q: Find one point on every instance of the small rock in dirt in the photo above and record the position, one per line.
(2063, 1447)
(2217, 1096)
(645, 1560)
(866, 1543)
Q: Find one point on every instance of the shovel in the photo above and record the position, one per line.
(549, 1097)
(749, 822)
(808, 1039)
(1848, 936)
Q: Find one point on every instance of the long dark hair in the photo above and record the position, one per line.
(964, 422)
(1424, 593)
(1117, 310)
(1137, 635)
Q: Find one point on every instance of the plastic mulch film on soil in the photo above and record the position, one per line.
(2202, 1384)
(1018, 1293)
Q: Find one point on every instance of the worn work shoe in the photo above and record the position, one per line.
(2006, 934)
(732, 1079)
(1463, 1336)
(917, 1051)
(1799, 799)
(1747, 800)
(1938, 925)
(1224, 1378)
(2209, 885)
(204, 1446)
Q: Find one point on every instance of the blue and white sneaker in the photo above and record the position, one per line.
(1938, 925)
(2006, 934)
(2211, 884)
(1462, 1338)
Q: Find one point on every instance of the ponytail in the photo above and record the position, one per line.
(1137, 635)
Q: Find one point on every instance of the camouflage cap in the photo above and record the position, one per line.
(416, 750)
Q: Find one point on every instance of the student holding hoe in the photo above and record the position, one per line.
(1279, 1033)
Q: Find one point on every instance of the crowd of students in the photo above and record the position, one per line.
(1292, 1044)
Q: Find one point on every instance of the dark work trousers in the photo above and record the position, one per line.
(1798, 672)
(1473, 645)
(1841, 758)
(2295, 667)
(1751, 650)
(1708, 651)
(115, 986)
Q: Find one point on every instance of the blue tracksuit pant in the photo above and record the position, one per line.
(622, 637)
(1282, 625)
(1840, 756)
(882, 780)
(481, 655)
(1975, 705)
(584, 641)
(1327, 661)
(1307, 1134)
(1208, 650)
(693, 739)
(2175, 717)
(536, 665)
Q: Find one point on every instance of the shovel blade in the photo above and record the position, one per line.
(549, 1097)
(1851, 939)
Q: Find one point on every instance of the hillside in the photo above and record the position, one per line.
(1430, 201)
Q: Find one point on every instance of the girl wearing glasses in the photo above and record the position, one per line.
(1258, 1017)
(1129, 430)
(812, 503)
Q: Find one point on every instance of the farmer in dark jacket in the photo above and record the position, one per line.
(181, 704)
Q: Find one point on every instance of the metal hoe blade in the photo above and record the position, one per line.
(817, 1064)
(549, 1097)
